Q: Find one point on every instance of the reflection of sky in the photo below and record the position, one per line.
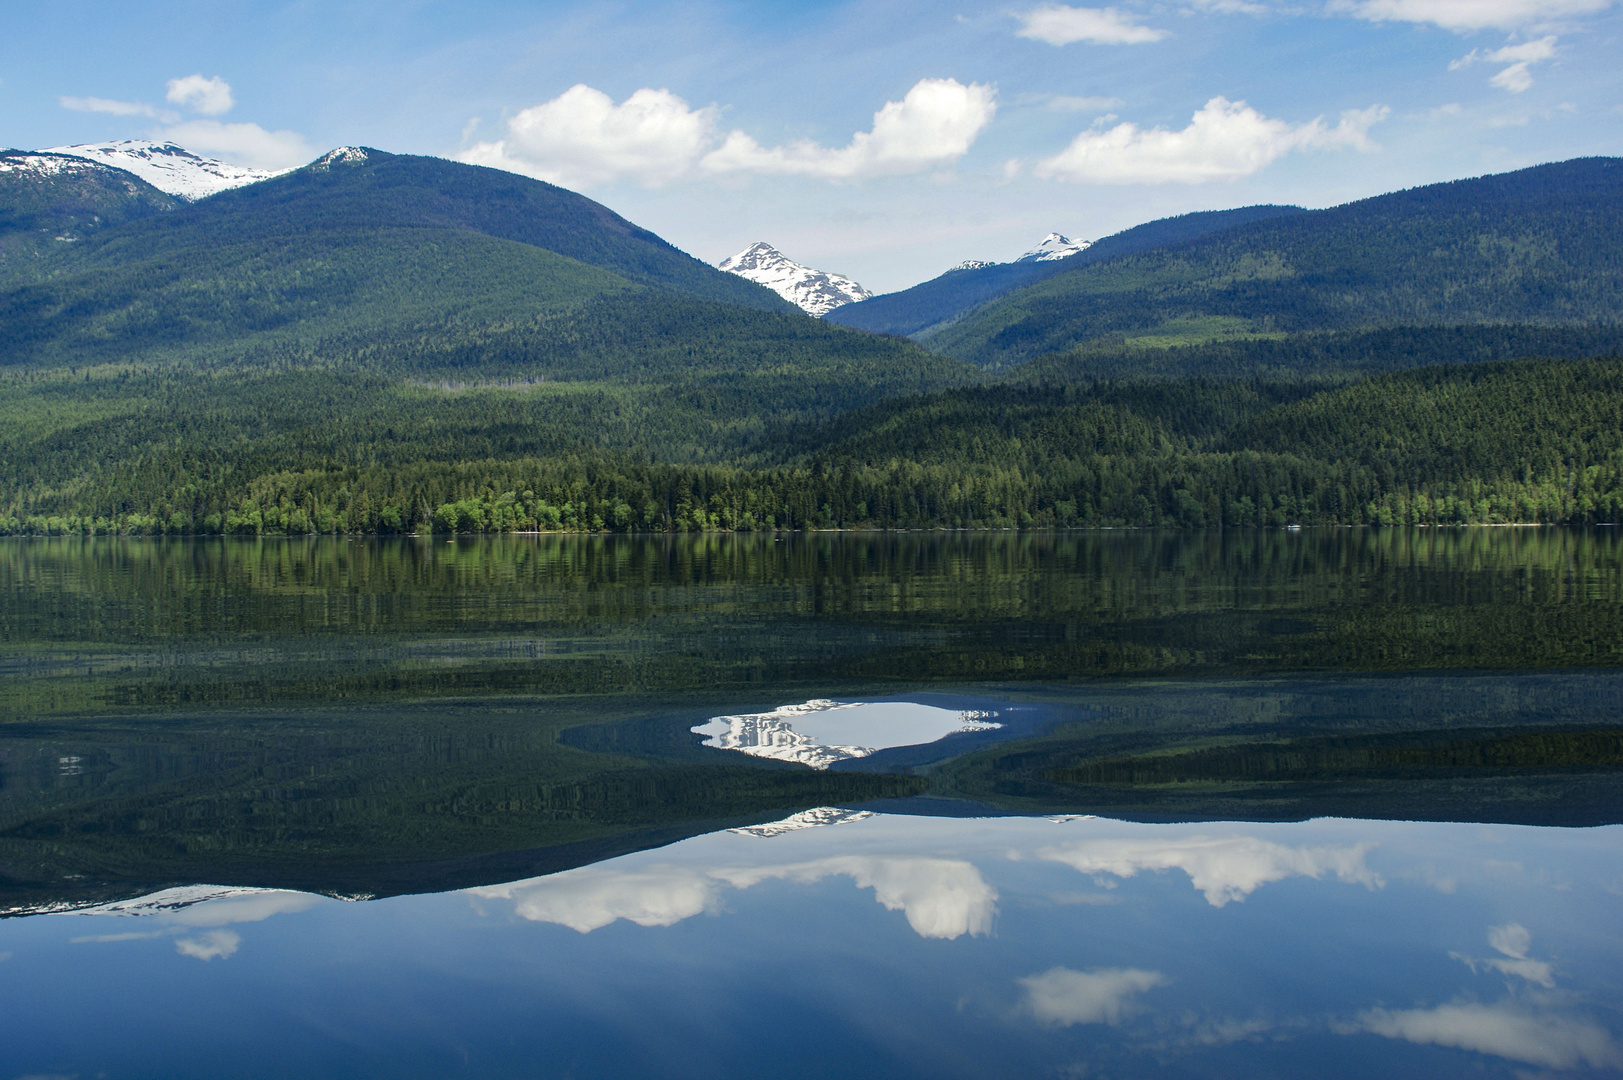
(879, 946)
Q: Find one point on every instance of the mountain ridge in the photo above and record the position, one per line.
(945, 299)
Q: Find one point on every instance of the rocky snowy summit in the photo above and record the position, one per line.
(814, 291)
(167, 167)
(1054, 246)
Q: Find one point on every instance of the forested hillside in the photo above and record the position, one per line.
(360, 244)
(1522, 441)
(49, 202)
(1540, 246)
(957, 292)
(392, 344)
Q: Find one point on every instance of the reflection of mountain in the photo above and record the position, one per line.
(814, 733)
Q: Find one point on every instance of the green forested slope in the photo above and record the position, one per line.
(304, 451)
(360, 245)
(943, 299)
(1539, 246)
(49, 202)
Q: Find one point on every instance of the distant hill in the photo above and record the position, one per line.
(944, 299)
(1539, 246)
(359, 242)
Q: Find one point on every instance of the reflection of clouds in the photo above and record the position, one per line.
(1503, 1030)
(199, 907)
(256, 907)
(594, 896)
(1062, 997)
(941, 898)
(209, 945)
(1223, 868)
(1512, 940)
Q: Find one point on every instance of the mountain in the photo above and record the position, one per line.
(167, 167)
(1539, 246)
(49, 202)
(360, 243)
(940, 301)
(815, 291)
(1054, 247)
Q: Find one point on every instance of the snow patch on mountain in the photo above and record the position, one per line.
(167, 167)
(43, 163)
(1054, 246)
(814, 291)
(972, 264)
(343, 155)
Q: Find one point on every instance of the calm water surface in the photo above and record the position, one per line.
(1335, 802)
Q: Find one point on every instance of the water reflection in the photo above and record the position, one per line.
(821, 732)
(880, 945)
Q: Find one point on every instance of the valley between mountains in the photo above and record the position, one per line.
(385, 343)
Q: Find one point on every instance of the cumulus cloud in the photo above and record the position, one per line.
(1504, 1030)
(248, 144)
(935, 124)
(215, 944)
(211, 96)
(941, 898)
(582, 138)
(1516, 76)
(1225, 140)
(1061, 997)
(1058, 24)
(105, 105)
(1466, 15)
(1224, 869)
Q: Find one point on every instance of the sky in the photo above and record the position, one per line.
(883, 139)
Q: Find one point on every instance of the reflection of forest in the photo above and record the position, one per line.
(121, 624)
(385, 716)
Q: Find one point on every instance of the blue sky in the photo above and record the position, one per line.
(883, 139)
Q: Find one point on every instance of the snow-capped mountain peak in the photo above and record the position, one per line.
(167, 167)
(814, 291)
(972, 264)
(1054, 246)
(343, 155)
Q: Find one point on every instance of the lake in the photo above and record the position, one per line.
(1328, 802)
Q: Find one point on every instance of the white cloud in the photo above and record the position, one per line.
(211, 96)
(941, 898)
(247, 144)
(1058, 24)
(1467, 15)
(934, 124)
(581, 139)
(105, 105)
(1516, 77)
(214, 944)
(1062, 997)
(1223, 868)
(1503, 1030)
(1225, 140)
